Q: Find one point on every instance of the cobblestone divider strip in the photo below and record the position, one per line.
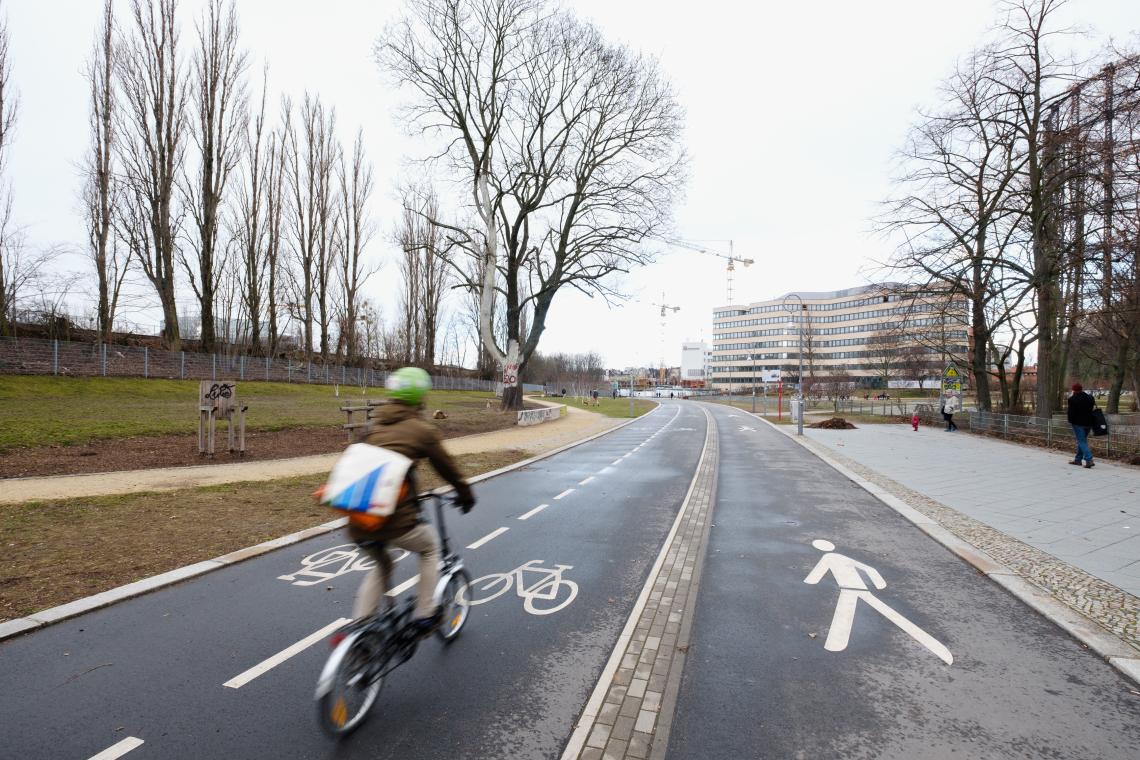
(631, 709)
(17, 626)
(1096, 613)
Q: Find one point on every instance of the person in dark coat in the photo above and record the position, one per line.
(1080, 416)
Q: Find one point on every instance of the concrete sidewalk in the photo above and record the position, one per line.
(536, 439)
(1088, 518)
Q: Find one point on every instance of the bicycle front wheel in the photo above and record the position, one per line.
(455, 606)
(349, 684)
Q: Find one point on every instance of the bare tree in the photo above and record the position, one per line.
(425, 278)
(355, 233)
(220, 102)
(569, 146)
(310, 147)
(250, 222)
(100, 185)
(276, 203)
(152, 147)
(14, 269)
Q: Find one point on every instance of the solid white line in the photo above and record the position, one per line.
(593, 706)
(587, 480)
(404, 586)
(567, 492)
(119, 749)
(488, 537)
(534, 511)
(265, 666)
(616, 462)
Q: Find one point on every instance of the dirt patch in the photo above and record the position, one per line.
(151, 451)
(835, 423)
(59, 551)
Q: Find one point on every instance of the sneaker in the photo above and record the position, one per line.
(1089, 465)
(427, 626)
(1077, 462)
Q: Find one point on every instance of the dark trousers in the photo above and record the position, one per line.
(949, 421)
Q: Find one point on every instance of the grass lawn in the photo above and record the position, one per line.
(611, 407)
(59, 551)
(55, 411)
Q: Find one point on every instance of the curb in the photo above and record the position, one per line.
(1116, 652)
(146, 585)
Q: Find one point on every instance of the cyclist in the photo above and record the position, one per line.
(398, 426)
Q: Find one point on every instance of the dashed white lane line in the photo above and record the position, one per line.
(488, 537)
(534, 511)
(587, 480)
(119, 749)
(567, 492)
(404, 586)
(266, 665)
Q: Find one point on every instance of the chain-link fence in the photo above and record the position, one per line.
(35, 356)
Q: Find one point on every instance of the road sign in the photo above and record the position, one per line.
(952, 389)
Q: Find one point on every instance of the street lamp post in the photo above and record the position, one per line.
(752, 361)
(800, 384)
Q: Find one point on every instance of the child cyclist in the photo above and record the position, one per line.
(398, 425)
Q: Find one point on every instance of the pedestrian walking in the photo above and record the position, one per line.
(1080, 416)
(948, 409)
(914, 420)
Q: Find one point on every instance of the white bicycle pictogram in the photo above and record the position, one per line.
(331, 563)
(540, 597)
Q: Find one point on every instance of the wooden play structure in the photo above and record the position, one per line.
(219, 399)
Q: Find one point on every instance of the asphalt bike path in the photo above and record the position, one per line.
(147, 677)
(829, 626)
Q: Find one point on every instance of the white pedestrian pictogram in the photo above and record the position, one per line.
(846, 572)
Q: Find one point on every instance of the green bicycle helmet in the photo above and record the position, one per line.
(408, 385)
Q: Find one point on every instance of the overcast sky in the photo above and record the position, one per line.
(793, 112)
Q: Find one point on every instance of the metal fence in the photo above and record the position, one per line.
(1122, 441)
(35, 356)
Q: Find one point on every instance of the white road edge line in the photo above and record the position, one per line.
(119, 749)
(616, 462)
(533, 512)
(567, 492)
(266, 665)
(589, 715)
(587, 480)
(488, 537)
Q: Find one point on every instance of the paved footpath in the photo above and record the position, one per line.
(1073, 532)
(828, 625)
(536, 439)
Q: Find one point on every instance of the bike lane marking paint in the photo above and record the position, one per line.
(493, 534)
(534, 511)
(616, 462)
(404, 586)
(567, 492)
(268, 664)
(587, 480)
(119, 749)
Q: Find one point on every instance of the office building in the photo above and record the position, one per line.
(866, 336)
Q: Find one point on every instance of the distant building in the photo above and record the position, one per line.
(865, 336)
(696, 359)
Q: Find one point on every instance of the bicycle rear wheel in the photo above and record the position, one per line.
(349, 686)
(456, 608)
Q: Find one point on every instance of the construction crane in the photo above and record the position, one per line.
(665, 309)
(729, 257)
